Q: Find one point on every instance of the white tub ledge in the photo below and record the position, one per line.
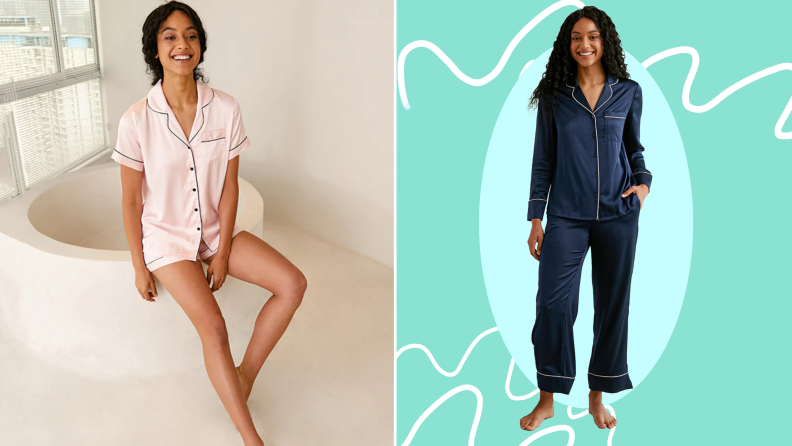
(67, 287)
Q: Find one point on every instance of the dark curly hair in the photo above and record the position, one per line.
(151, 29)
(562, 66)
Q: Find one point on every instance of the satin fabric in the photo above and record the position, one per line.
(566, 243)
(585, 158)
(184, 175)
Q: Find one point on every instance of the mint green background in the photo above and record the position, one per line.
(723, 377)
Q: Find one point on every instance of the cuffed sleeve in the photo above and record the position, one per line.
(632, 141)
(239, 139)
(127, 150)
(544, 159)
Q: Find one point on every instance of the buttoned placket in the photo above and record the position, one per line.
(197, 202)
(195, 189)
(596, 133)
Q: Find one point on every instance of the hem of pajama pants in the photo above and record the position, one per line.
(554, 384)
(609, 384)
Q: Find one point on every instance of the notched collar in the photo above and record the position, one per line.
(158, 103)
(605, 95)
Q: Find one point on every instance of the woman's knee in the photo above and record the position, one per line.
(213, 329)
(294, 287)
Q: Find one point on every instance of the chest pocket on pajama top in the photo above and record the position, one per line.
(213, 144)
(614, 124)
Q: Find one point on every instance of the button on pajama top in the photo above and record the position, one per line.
(583, 160)
(589, 156)
(183, 175)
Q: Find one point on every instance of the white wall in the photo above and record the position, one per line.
(314, 79)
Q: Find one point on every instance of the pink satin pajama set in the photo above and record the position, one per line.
(183, 177)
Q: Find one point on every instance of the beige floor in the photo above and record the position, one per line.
(329, 381)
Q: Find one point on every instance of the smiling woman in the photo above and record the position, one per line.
(589, 172)
(179, 149)
(161, 32)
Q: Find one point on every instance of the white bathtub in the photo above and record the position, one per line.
(67, 283)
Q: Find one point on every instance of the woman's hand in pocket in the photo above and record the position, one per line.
(536, 238)
(641, 190)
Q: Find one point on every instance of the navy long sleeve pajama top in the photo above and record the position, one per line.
(589, 157)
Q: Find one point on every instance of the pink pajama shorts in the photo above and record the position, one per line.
(203, 253)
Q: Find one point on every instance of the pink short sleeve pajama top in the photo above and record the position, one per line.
(183, 176)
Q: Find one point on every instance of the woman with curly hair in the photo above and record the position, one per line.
(179, 148)
(588, 149)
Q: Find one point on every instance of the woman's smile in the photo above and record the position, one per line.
(182, 57)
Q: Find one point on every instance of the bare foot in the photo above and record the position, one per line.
(246, 387)
(542, 411)
(602, 418)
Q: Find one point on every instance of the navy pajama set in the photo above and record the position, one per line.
(589, 157)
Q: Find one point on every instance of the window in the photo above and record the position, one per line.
(51, 105)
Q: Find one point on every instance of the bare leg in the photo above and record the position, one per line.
(186, 282)
(602, 418)
(254, 261)
(542, 411)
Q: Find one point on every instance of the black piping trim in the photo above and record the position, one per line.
(207, 244)
(195, 173)
(149, 263)
(167, 123)
(198, 189)
(133, 159)
(218, 139)
(203, 120)
(238, 145)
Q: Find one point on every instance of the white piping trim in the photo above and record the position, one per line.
(642, 172)
(555, 376)
(607, 376)
(609, 98)
(619, 117)
(596, 135)
(532, 199)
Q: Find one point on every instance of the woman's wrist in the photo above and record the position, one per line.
(224, 253)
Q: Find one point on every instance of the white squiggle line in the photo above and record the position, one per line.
(612, 431)
(508, 385)
(437, 366)
(723, 95)
(608, 407)
(659, 56)
(454, 69)
(441, 400)
(575, 417)
(550, 430)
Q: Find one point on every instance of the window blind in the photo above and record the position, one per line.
(51, 105)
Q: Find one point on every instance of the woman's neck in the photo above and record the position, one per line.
(591, 75)
(180, 91)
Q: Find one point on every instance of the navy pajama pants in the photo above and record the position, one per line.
(566, 243)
